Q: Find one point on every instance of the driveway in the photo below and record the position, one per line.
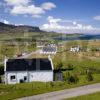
(29, 55)
(67, 93)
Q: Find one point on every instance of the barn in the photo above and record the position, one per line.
(28, 70)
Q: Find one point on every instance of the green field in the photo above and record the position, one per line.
(77, 63)
(95, 96)
(10, 92)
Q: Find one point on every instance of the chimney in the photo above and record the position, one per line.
(49, 57)
(5, 63)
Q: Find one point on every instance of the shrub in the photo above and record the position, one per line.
(51, 84)
(70, 67)
(0, 79)
(89, 76)
(76, 78)
(59, 65)
(66, 75)
(73, 79)
(1, 70)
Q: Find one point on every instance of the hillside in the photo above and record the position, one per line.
(7, 28)
(9, 32)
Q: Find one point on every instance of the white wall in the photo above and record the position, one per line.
(18, 75)
(44, 52)
(43, 76)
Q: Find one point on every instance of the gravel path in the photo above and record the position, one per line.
(29, 55)
(67, 93)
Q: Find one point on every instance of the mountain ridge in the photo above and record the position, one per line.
(9, 28)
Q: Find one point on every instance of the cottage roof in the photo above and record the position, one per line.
(49, 49)
(28, 64)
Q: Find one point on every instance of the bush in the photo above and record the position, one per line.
(66, 75)
(0, 79)
(76, 78)
(59, 65)
(70, 67)
(73, 79)
(1, 70)
(89, 76)
(51, 84)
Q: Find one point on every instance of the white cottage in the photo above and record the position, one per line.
(75, 49)
(28, 70)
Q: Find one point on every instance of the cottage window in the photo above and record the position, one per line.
(12, 77)
(25, 78)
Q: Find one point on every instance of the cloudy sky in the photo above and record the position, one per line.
(68, 16)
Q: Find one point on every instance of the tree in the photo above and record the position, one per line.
(18, 39)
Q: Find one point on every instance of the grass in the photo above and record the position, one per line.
(10, 92)
(79, 60)
(15, 48)
(95, 96)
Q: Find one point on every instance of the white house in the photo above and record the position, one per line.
(39, 44)
(49, 49)
(28, 70)
(75, 49)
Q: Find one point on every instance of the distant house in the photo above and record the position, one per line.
(28, 70)
(39, 44)
(49, 49)
(75, 49)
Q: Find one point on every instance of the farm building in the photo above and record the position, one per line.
(49, 49)
(28, 70)
(75, 49)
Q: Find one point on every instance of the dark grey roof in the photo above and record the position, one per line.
(28, 64)
(49, 49)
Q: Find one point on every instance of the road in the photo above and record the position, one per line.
(25, 56)
(29, 55)
(67, 93)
